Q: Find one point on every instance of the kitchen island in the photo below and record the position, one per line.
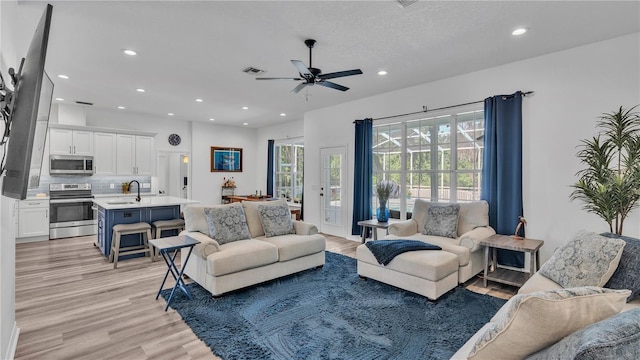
(118, 210)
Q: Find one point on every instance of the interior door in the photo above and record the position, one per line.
(333, 190)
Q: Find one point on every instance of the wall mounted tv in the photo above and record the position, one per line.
(29, 116)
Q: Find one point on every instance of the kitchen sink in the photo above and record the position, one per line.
(121, 202)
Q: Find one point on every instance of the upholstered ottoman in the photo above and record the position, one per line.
(429, 273)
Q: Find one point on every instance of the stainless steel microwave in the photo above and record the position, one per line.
(70, 165)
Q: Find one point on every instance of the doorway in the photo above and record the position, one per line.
(333, 190)
(174, 174)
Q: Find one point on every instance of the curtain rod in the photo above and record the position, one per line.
(425, 110)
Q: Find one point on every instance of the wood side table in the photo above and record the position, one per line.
(508, 242)
(374, 224)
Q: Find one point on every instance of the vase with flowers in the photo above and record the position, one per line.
(384, 190)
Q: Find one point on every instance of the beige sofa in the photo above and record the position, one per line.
(591, 312)
(238, 264)
(432, 273)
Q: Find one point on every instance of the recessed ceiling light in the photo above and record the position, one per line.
(140, 90)
(170, 114)
(121, 107)
(283, 114)
(129, 52)
(199, 100)
(519, 31)
(245, 108)
(245, 124)
(382, 72)
(212, 119)
(63, 76)
(59, 99)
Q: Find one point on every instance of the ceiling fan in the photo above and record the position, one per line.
(312, 76)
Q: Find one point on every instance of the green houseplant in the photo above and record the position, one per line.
(610, 185)
(384, 190)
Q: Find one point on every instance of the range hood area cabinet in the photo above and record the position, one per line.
(70, 142)
(135, 155)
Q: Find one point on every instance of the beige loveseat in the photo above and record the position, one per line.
(566, 323)
(432, 273)
(221, 268)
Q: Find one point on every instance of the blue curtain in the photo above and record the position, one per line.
(502, 168)
(270, 163)
(363, 171)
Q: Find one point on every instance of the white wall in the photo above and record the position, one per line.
(288, 130)
(572, 88)
(207, 184)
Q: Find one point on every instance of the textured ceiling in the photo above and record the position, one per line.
(188, 50)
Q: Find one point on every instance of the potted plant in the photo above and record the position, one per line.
(384, 190)
(610, 185)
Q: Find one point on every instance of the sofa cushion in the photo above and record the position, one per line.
(587, 260)
(294, 246)
(253, 219)
(275, 219)
(442, 220)
(528, 323)
(473, 215)
(194, 218)
(227, 223)
(241, 255)
(627, 274)
(617, 337)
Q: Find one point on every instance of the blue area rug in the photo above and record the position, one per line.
(331, 313)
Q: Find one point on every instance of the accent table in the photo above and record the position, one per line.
(374, 224)
(164, 247)
(508, 242)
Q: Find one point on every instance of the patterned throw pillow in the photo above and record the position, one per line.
(617, 337)
(276, 219)
(442, 220)
(227, 223)
(627, 274)
(587, 260)
(528, 323)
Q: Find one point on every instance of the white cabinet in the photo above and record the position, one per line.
(105, 158)
(66, 141)
(33, 218)
(134, 155)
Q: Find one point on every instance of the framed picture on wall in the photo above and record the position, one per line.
(226, 159)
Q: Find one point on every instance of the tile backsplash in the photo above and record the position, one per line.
(99, 184)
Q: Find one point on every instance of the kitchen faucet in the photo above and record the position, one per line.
(136, 181)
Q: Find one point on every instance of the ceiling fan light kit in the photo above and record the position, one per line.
(313, 76)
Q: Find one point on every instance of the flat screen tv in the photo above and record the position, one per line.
(29, 116)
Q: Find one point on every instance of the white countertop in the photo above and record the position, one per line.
(116, 202)
(119, 195)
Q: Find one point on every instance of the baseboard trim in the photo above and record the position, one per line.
(13, 342)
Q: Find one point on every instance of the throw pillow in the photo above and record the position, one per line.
(627, 275)
(227, 223)
(276, 219)
(534, 321)
(587, 260)
(442, 220)
(617, 337)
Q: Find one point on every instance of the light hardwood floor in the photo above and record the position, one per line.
(72, 304)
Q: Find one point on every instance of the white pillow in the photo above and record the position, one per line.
(528, 323)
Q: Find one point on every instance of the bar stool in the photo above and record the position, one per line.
(162, 225)
(127, 229)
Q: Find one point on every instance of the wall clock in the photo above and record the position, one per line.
(174, 139)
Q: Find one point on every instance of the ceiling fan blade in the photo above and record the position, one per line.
(297, 89)
(301, 68)
(338, 74)
(278, 78)
(329, 84)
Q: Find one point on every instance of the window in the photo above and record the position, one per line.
(436, 158)
(288, 176)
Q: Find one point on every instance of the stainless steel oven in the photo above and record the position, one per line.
(71, 211)
(70, 165)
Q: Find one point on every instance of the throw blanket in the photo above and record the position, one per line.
(386, 250)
